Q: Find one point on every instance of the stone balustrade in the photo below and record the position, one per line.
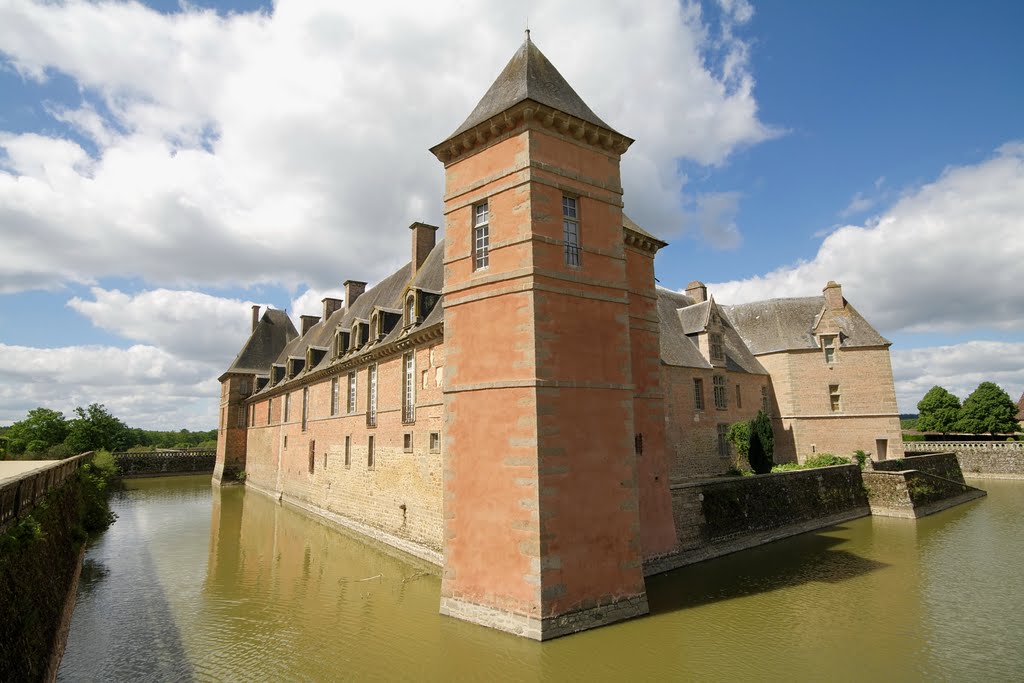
(27, 483)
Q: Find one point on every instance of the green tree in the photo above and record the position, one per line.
(762, 426)
(759, 460)
(40, 429)
(739, 436)
(988, 409)
(938, 411)
(95, 428)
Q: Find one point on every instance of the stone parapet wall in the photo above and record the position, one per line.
(19, 495)
(943, 465)
(991, 459)
(913, 494)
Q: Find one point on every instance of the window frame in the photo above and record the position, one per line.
(352, 400)
(698, 393)
(348, 451)
(371, 455)
(305, 408)
(835, 398)
(371, 395)
(830, 347)
(571, 230)
(723, 440)
(409, 388)
(335, 395)
(287, 408)
(435, 442)
(721, 391)
(481, 235)
(716, 346)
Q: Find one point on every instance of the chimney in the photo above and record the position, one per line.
(307, 322)
(255, 317)
(697, 290)
(330, 306)
(353, 288)
(423, 239)
(833, 296)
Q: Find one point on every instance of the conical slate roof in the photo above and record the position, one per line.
(530, 76)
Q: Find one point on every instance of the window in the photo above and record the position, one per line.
(252, 415)
(371, 396)
(243, 388)
(369, 452)
(571, 228)
(765, 404)
(348, 451)
(407, 442)
(721, 398)
(410, 309)
(717, 349)
(435, 442)
(828, 345)
(240, 416)
(833, 397)
(723, 441)
(312, 455)
(351, 407)
(305, 407)
(287, 407)
(335, 391)
(481, 237)
(739, 397)
(286, 441)
(270, 404)
(409, 388)
(698, 394)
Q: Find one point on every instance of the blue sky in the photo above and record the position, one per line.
(162, 167)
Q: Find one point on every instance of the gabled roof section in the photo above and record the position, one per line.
(694, 318)
(273, 332)
(788, 324)
(529, 76)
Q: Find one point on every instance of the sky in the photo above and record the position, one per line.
(164, 166)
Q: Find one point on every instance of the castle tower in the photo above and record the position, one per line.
(541, 496)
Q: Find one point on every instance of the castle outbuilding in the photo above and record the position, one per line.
(514, 404)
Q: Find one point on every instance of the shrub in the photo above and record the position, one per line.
(825, 460)
(759, 460)
(787, 467)
(739, 436)
(762, 426)
(861, 457)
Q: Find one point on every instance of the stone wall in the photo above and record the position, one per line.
(995, 460)
(165, 462)
(913, 493)
(943, 465)
(719, 516)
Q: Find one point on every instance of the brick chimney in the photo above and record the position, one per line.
(353, 288)
(833, 296)
(697, 290)
(307, 322)
(330, 306)
(424, 237)
(255, 317)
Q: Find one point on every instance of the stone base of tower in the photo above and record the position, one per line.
(546, 628)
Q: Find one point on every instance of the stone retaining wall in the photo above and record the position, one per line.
(158, 463)
(943, 465)
(719, 516)
(20, 495)
(913, 494)
(993, 459)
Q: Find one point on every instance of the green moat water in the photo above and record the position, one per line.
(197, 583)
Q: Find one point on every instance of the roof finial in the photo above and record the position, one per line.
(527, 28)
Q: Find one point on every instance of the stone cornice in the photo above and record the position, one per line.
(642, 242)
(523, 114)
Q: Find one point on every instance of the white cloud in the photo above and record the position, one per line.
(189, 325)
(959, 368)
(945, 257)
(859, 204)
(715, 218)
(310, 302)
(291, 147)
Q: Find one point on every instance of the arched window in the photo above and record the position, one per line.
(410, 309)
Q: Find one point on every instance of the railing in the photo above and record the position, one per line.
(21, 493)
(941, 446)
(142, 463)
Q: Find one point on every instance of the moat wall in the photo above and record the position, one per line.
(986, 459)
(715, 517)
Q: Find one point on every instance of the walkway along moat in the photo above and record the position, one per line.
(194, 583)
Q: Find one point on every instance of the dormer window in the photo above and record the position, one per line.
(829, 345)
(376, 329)
(277, 373)
(314, 354)
(716, 345)
(295, 366)
(359, 335)
(341, 338)
(410, 310)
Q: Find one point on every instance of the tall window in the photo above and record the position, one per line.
(409, 388)
(739, 397)
(723, 441)
(571, 228)
(765, 405)
(698, 394)
(351, 407)
(270, 404)
(833, 398)
(335, 391)
(717, 349)
(371, 396)
(481, 237)
(410, 309)
(240, 417)
(348, 451)
(369, 452)
(828, 345)
(305, 407)
(287, 407)
(721, 398)
(312, 455)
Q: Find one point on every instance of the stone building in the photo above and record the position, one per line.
(515, 402)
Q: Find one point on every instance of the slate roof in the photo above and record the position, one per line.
(788, 324)
(273, 333)
(682, 319)
(529, 76)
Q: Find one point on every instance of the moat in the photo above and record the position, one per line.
(207, 584)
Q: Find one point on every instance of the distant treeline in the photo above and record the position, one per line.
(46, 433)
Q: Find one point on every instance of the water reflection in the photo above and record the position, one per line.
(194, 583)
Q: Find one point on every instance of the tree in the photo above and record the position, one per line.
(95, 428)
(762, 426)
(739, 436)
(938, 411)
(759, 460)
(40, 429)
(988, 409)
